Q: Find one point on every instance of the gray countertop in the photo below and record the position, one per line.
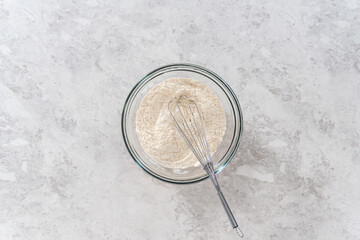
(66, 68)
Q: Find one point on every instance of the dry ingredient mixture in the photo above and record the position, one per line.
(157, 132)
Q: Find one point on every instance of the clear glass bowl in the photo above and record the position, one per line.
(228, 99)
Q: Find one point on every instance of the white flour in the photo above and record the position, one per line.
(157, 132)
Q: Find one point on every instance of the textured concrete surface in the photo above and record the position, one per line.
(67, 66)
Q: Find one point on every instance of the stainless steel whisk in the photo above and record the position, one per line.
(190, 124)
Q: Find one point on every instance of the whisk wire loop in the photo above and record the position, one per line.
(189, 127)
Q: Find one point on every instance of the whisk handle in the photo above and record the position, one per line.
(210, 170)
(227, 210)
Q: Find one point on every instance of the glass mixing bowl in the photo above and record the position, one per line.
(228, 99)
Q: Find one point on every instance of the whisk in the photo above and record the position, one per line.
(190, 125)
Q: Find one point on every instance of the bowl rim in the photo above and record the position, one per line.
(237, 104)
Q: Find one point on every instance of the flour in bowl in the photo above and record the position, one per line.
(157, 132)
